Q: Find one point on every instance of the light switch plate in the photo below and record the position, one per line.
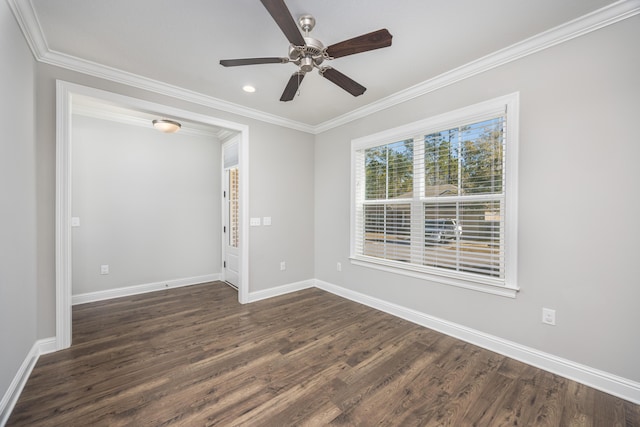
(266, 220)
(75, 221)
(254, 222)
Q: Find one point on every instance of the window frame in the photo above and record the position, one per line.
(508, 106)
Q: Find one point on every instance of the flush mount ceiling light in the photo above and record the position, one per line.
(248, 88)
(166, 125)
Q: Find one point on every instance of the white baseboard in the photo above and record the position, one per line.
(281, 290)
(141, 289)
(47, 345)
(12, 394)
(604, 381)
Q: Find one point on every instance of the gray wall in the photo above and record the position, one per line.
(578, 203)
(283, 190)
(17, 200)
(271, 150)
(149, 205)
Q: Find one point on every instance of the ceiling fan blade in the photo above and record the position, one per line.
(346, 83)
(292, 86)
(366, 42)
(252, 61)
(280, 13)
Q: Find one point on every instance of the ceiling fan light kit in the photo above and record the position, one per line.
(308, 53)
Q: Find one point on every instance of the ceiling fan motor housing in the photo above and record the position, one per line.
(312, 54)
(306, 64)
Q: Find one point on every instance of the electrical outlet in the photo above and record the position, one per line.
(549, 316)
(104, 269)
(339, 266)
(283, 266)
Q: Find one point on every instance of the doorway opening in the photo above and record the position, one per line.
(230, 215)
(67, 98)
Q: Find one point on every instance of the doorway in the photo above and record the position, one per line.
(231, 210)
(65, 94)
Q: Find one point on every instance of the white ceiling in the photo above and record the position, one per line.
(180, 43)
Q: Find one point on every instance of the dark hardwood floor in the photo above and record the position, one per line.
(193, 356)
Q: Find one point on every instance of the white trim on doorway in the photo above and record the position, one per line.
(65, 92)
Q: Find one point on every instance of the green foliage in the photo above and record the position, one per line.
(441, 160)
(458, 161)
(389, 171)
(468, 158)
(483, 161)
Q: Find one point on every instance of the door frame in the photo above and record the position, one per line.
(225, 208)
(65, 92)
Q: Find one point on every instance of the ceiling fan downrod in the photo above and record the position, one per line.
(313, 53)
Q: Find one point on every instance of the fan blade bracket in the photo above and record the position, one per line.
(326, 56)
(295, 52)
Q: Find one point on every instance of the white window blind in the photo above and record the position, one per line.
(434, 202)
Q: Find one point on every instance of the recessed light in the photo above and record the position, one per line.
(249, 88)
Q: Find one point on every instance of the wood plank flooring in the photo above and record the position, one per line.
(195, 357)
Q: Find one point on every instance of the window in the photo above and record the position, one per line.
(436, 199)
(234, 211)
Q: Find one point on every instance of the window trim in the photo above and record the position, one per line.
(465, 115)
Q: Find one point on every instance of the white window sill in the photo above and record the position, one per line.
(460, 280)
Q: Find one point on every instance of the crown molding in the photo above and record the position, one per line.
(28, 21)
(593, 21)
(103, 113)
(30, 26)
(115, 75)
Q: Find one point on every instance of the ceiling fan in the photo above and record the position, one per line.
(308, 53)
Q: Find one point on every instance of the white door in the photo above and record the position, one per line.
(231, 260)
